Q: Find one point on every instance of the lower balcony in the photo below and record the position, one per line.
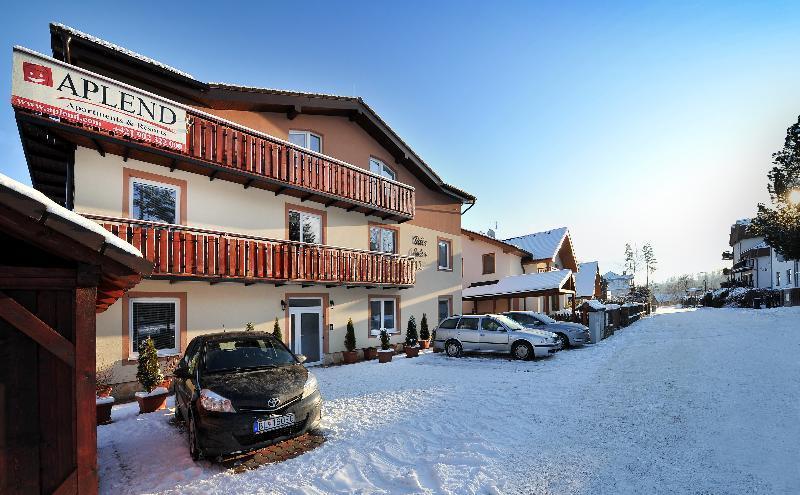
(185, 253)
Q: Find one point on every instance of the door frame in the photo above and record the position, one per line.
(297, 347)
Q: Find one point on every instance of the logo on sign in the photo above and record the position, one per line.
(273, 402)
(37, 74)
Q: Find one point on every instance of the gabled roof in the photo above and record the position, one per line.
(586, 278)
(522, 284)
(616, 276)
(542, 245)
(505, 246)
(110, 59)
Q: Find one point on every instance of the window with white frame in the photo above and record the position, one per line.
(305, 227)
(383, 240)
(155, 318)
(154, 201)
(306, 139)
(383, 316)
(378, 167)
(789, 277)
(444, 254)
(778, 278)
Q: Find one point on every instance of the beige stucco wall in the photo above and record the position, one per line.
(506, 264)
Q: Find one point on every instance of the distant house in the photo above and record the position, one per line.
(588, 281)
(755, 263)
(617, 286)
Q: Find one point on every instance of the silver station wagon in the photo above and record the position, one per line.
(493, 333)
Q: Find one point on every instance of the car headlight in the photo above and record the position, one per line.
(212, 401)
(311, 385)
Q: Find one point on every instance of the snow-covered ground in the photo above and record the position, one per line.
(703, 401)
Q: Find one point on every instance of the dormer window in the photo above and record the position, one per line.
(378, 167)
(306, 139)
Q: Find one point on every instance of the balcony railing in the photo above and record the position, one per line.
(225, 144)
(180, 252)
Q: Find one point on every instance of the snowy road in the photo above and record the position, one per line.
(704, 401)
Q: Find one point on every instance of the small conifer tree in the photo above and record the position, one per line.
(385, 340)
(424, 332)
(350, 336)
(149, 372)
(276, 330)
(411, 332)
(249, 327)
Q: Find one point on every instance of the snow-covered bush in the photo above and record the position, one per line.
(411, 332)
(424, 333)
(149, 372)
(350, 336)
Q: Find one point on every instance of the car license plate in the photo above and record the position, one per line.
(273, 423)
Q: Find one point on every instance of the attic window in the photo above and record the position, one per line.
(306, 139)
(378, 167)
(488, 263)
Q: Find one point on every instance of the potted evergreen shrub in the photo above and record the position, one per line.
(412, 339)
(103, 400)
(385, 354)
(370, 353)
(276, 330)
(154, 397)
(350, 355)
(424, 333)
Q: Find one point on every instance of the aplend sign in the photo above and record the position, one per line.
(45, 85)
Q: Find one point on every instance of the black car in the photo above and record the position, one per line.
(243, 391)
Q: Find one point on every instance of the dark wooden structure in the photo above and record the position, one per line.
(56, 272)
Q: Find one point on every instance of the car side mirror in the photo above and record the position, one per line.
(301, 358)
(182, 372)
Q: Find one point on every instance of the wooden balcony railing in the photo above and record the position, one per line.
(226, 144)
(180, 252)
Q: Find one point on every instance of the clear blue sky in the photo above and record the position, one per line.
(632, 122)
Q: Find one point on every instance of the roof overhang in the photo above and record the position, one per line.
(530, 285)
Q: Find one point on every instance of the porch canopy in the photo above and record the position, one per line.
(551, 283)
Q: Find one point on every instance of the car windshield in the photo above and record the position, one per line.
(245, 353)
(508, 322)
(545, 319)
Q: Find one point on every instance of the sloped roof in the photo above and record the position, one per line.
(585, 279)
(520, 284)
(471, 234)
(616, 276)
(542, 245)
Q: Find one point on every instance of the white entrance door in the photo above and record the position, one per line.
(305, 321)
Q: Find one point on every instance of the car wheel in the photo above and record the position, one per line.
(194, 446)
(453, 348)
(522, 351)
(564, 340)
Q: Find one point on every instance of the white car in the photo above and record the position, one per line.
(493, 333)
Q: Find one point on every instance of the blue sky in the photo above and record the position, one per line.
(637, 121)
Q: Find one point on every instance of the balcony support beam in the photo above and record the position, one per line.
(370, 212)
(173, 164)
(213, 175)
(352, 208)
(249, 183)
(279, 190)
(306, 197)
(125, 154)
(98, 147)
(294, 112)
(331, 203)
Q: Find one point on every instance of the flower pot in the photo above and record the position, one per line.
(385, 356)
(350, 357)
(103, 408)
(424, 344)
(411, 351)
(370, 353)
(154, 401)
(104, 391)
(166, 383)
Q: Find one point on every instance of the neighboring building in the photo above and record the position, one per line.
(618, 286)
(489, 261)
(755, 263)
(254, 204)
(588, 283)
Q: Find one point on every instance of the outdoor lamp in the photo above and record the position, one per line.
(332, 303)
(283, 305)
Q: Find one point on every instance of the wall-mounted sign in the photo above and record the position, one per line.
(417, 251)
(43, 84)
(419, 241)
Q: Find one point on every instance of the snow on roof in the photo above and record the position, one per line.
(521, 283)
(543, 245)
(744, 221)
(108, 44)
(595, 304)
(585, 279)
(616, 276)
(57, 210)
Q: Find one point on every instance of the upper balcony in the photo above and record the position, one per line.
(191, 254)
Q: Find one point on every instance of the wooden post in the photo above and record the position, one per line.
(85, 427)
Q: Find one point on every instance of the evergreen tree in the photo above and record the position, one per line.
(385, 340)
(249, 327)
(780, 225)
(411, 332)
(350, 336)
(149, 372)
(650, 261)
(424, 333)
(276, 331)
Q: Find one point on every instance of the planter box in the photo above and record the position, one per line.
(103, 409)
(154, 401)
(350, 357)
(385, 356)
(412, 351)
(370, 353)
(424, 344)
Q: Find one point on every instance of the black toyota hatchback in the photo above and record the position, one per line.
(243, 391)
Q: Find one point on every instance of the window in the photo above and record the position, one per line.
(383, 239)
(491, 325)
(444, 308)
(777, 278)
(554, 303)
(378, 167)
(488, 263)
(305, 227)
(445, 260)
(154, 201)
(154, 318)
(468, 323)
(449, 324)
(307, 140)
(789, 277)
(245, 353)
(382, 316)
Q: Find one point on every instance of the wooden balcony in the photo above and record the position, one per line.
(186, 253)
(220, 150)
